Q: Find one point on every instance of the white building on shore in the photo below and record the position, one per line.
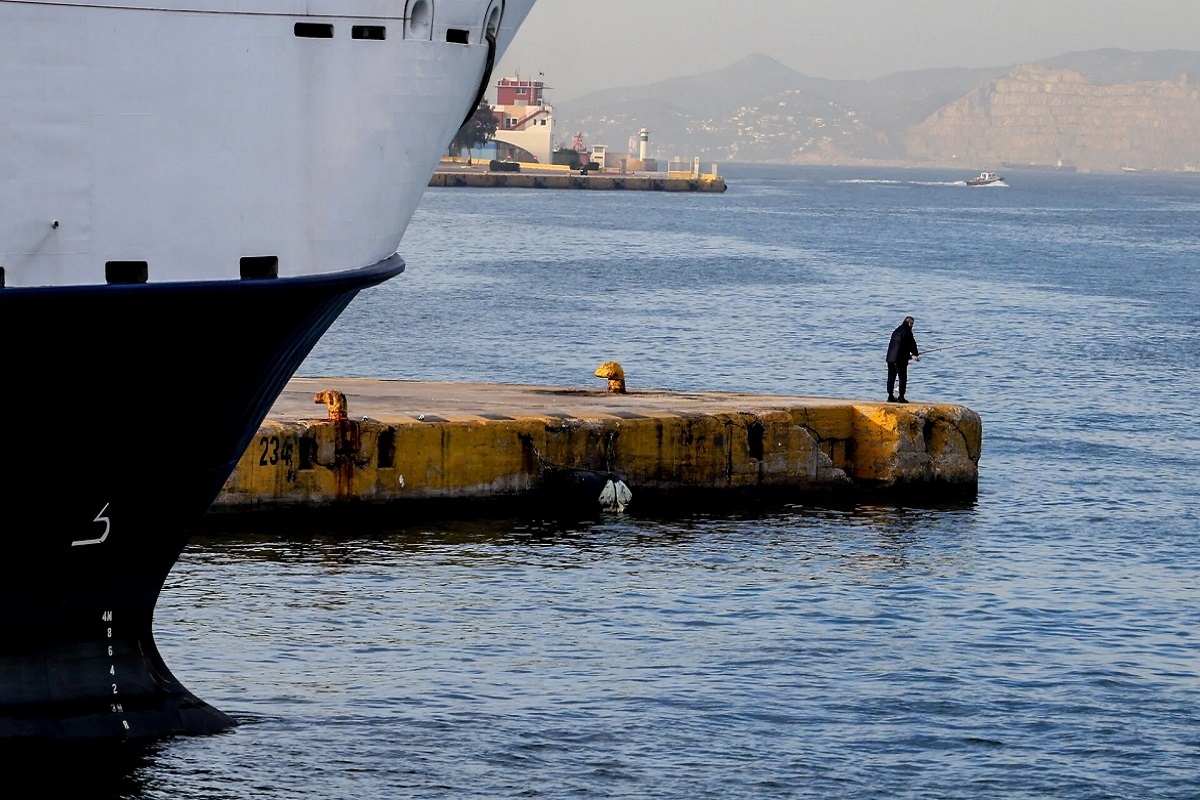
(524, 121)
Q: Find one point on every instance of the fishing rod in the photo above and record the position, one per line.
(950, 347)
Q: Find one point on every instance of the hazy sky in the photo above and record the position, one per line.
(584, 45)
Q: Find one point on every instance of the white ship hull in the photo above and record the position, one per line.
(192, 138)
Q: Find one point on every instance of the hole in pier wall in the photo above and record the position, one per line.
(307, 452)
(754, 440)
(387, 448)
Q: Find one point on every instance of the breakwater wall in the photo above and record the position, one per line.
(569, 180)
(401, 444)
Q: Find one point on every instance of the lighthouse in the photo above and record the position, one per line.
(644, 144)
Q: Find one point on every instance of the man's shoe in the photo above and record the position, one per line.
(891, 398)
(901, 399)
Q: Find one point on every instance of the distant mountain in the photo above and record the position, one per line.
(759, 110)
(1111, 66)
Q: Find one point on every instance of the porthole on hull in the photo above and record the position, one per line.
(122, 272)
(257, 268)
(313, 30)
(376, 33)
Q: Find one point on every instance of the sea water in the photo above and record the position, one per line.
(1041, 642)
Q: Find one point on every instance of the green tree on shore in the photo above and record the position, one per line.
(479, 129)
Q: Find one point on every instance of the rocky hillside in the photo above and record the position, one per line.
(1100, 110)
(1037, 115)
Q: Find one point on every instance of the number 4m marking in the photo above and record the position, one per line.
(107, 527)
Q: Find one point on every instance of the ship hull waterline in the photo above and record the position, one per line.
(175, 380)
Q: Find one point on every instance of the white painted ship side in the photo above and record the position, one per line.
(189, 135)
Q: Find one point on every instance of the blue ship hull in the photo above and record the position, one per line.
(129, 407)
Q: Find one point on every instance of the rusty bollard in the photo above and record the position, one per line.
(347, 450)
(612, 371)
(335, 401)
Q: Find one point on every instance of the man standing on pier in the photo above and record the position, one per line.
(902, 347)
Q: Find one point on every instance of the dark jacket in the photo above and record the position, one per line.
(903, 345)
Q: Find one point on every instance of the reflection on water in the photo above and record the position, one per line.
(83, 770)
(676, 652)
(749, 524)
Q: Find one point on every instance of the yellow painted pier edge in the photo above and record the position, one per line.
(404, 445)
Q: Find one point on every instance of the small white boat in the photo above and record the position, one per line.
(985, 178)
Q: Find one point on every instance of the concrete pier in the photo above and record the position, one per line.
(345, 444)
(481, 179)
